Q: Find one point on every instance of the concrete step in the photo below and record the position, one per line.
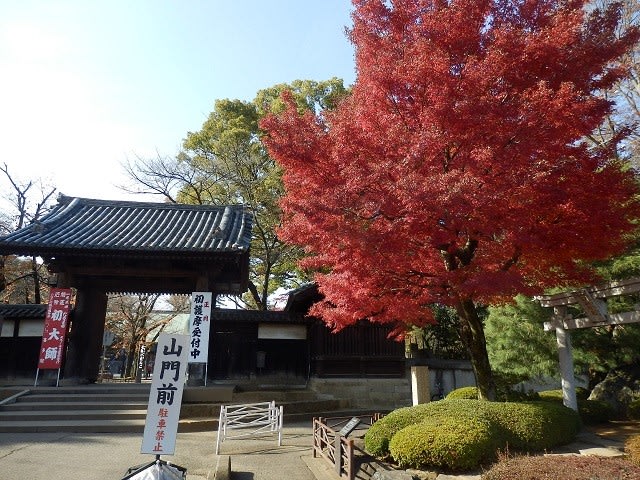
(51, 415)
(83, 397)
(100, 426)
(93, 426)
(122, 408)
(53, 406)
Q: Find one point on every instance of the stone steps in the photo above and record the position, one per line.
(123, 407)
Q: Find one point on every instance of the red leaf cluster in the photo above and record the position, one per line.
(457, 169)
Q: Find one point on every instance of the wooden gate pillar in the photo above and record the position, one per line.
(85, 338)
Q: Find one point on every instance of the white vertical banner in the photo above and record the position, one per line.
(199, 322)
(165, 397)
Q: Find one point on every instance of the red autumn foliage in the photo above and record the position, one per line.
(456, 172)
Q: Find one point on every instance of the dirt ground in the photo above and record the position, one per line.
(617, 429)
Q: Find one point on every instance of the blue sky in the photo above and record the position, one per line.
(86, 85)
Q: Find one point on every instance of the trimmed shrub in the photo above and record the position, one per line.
(595, 411)
(632, 449)
(456, 443)
(376, 440)
(633, 409)
(581, 394)
(535, 426)
(464, 393)
(591, 411)
(532, 426)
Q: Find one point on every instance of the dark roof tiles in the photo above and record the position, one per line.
(20, 311)
(102, 225)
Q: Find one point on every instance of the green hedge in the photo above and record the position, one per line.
(456, 443)
(535, 426)
(426, 434)
(591, 411)
(377, 438)
(633, 410)
(463, 393)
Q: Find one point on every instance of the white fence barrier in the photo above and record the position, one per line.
(254, 419)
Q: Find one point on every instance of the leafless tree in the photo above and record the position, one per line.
(626, 94)
(28, 202)
(131, 318)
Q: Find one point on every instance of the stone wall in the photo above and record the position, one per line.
(367, 393)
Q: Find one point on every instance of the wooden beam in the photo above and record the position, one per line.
(609, 289)
(569, 323)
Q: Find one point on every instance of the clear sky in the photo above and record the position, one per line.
(86, 85)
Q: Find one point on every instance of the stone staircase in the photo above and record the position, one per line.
(111, 408)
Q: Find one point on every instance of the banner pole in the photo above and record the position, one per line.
(37, 372)
(58, 378)
(205, 373)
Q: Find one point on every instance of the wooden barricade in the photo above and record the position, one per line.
(334, 445)
(252, 419)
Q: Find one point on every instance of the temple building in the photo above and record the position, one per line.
(99, 247)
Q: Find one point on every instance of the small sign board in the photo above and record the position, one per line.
(199, 321)
(349, 427)
(165, 397)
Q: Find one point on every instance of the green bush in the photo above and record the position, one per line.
(457, 443)
(464, 393)
(535, 426)
(581, 394)
(532, 426)
(503, 394)
(633, 409)
(591, 411)
(595, 411)
(376, 440)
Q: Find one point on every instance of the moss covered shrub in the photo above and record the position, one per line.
(456, 443)
(581, 467)
(632, 449)
(463, 393)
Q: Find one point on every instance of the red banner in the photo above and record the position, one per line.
(56, 324)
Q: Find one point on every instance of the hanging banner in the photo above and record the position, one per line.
(165, 397)
(199, 321)
(56, 323)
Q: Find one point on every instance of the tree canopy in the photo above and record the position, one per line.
(225, 162)
(457, 171)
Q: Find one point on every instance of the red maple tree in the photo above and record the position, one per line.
(456, 172)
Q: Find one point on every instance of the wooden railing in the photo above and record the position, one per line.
(334, 445)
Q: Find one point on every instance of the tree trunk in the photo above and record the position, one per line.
(472, 334)
(36, 281)
(3, 278)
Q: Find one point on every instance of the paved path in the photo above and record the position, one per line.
(108, 456)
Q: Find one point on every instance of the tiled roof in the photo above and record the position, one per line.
(103, 226)
(255, 316)
(15, 312)
(302, 298)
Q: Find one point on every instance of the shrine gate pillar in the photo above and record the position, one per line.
(85, 339)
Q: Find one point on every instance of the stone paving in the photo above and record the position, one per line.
(42, 456)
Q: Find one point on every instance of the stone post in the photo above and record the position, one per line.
(420, 390)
